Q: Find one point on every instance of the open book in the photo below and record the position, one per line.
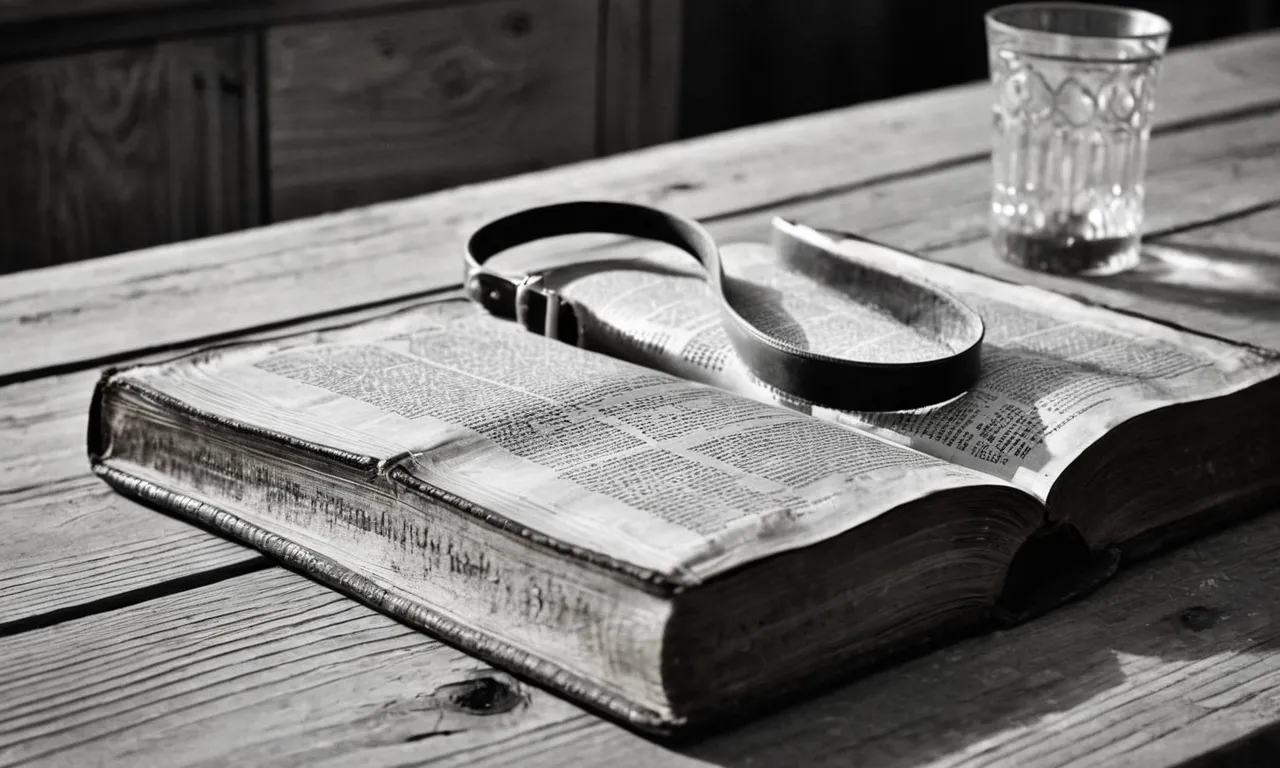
(643, 527)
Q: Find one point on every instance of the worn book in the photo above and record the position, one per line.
(636, 523)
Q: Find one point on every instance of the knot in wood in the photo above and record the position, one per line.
(517, 23)
(485, 695)
(457, 77)
(1198, 618)
(383, 42)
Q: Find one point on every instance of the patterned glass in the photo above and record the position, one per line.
(1074, 89)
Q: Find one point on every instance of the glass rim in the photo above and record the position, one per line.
(1161, 24)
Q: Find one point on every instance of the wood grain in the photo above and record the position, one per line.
(1163, 664)
(41, 28)
(43, 424)
(69, 543)
(640, 91)
(1195, 177)
(406, 103)
(107, 308)
(44, 421)
(72, 544)
(29, 10)
(13, 11)
(119, 150)
(1212, 286)
(300, 675)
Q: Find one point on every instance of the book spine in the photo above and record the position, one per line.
(350, 582)
(96, 437)
(353, 585)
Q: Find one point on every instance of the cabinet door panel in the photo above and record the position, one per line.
(115, 150)
(384, 107)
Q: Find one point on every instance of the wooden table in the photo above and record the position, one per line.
(129, 637)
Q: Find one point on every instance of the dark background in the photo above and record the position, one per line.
(748, 62)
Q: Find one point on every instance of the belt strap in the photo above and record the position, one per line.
(841, 383)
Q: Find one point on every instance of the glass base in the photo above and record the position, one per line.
(1068, 255)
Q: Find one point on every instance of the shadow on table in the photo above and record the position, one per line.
(1258, 748)
(1086, 662)
(1233, 280)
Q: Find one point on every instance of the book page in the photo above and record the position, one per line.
(1057, 374)
(617, 459)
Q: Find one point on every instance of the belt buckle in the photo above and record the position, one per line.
(529, 287)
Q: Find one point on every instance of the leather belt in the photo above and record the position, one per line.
(841, 383)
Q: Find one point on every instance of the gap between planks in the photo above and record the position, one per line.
(129, 598)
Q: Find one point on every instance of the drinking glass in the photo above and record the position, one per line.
(1074, 90)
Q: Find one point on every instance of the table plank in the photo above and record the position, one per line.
(297, 672)
(43, 422)
(43, 425)
(1222, 280)
(105, 309)
(1194, 178)
(70, 544)
(1162, 662)
(77, 547)
(1222, 170)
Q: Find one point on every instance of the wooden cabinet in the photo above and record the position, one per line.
(178, 122)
